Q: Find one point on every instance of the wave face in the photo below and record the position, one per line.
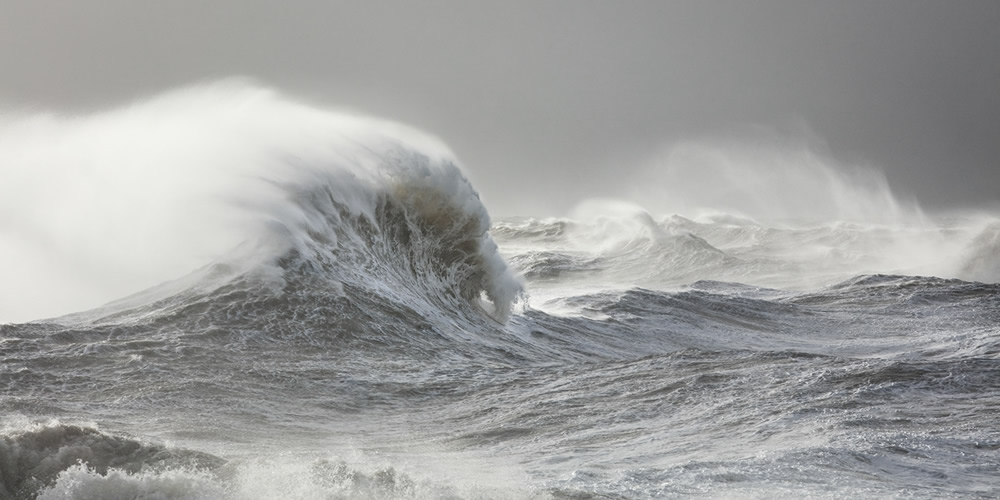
(279, 301)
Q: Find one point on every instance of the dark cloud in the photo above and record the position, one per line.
(548, 102)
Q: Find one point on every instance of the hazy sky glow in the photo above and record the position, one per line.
(550, 102)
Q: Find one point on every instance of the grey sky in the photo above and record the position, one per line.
(550, 102)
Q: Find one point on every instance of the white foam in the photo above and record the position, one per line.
(286, 476)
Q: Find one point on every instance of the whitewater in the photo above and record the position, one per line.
(224, 293)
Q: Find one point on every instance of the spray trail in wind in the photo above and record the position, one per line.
(770, 181)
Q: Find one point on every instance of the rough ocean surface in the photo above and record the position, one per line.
(358, 327)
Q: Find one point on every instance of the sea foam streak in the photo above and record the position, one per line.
(99, 206)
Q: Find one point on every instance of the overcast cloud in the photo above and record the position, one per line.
(550, 102)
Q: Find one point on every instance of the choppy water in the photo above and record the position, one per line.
(369, 333)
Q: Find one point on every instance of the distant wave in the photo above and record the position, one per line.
(618, 244)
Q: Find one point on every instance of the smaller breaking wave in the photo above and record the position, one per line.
(61, 461)
(322, 478)
(37, 457)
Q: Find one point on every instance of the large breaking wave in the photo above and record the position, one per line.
(235, 181)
